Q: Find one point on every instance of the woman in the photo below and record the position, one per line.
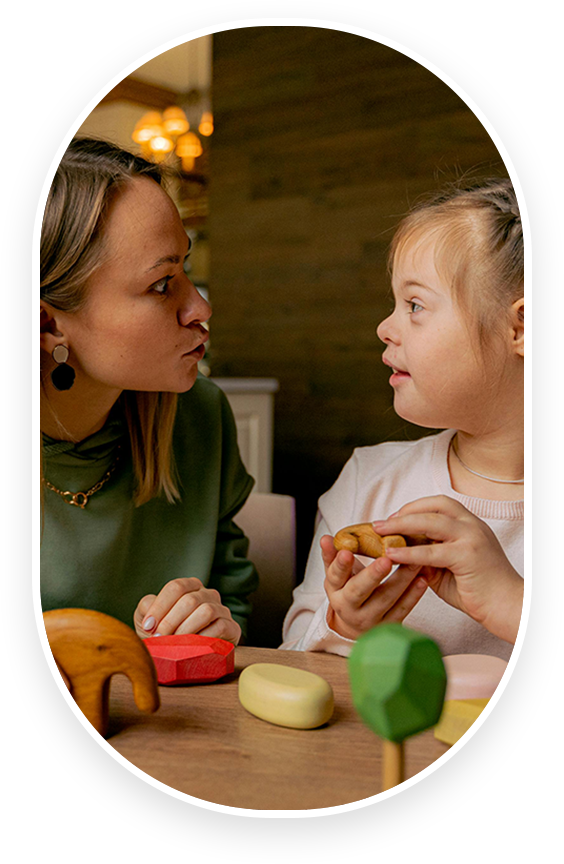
(140, 484)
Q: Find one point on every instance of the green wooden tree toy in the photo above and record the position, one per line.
(398, 684)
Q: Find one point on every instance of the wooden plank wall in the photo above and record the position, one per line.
(322, 139)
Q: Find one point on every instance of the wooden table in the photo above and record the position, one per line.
(202, 742)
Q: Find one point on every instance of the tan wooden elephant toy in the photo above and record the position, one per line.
(89, 647)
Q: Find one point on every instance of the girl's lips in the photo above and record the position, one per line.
(397, 377)
(397, 374)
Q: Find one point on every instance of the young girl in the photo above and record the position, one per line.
(454, 344)
(140, 465)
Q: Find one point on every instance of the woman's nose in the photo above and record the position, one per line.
(195, 308)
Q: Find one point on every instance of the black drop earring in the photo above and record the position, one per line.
(62, 375)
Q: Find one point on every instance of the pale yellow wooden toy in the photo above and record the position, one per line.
(286, 696)
(457, 717)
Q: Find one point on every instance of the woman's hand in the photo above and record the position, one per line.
(357, 599)
(467, 569)
(185, 606)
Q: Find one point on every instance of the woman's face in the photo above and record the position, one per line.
(141, 327)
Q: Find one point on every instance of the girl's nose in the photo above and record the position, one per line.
(195, 309)
(386, 330)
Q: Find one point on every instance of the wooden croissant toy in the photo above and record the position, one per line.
(362, 540)
(89, 647)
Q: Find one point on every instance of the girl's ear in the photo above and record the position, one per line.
(518, 326)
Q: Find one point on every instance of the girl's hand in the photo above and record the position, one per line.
(185, 606)
(467, 568)
(357, 599)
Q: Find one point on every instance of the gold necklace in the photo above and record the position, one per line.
(80, 499)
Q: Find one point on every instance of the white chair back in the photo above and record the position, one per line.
(269, 521)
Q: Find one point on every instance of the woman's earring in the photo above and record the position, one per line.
(62, 375)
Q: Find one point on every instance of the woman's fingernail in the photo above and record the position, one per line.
(157, 634)
(149, 623)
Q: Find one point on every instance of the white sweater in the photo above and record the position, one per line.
(375, 482)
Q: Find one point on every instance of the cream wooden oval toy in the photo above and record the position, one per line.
(286, 696)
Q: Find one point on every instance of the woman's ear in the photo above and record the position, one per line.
(51, 335)
(518, 326)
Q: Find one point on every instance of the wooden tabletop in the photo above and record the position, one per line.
(202, 742)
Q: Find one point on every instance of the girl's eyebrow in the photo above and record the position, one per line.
(410, 283)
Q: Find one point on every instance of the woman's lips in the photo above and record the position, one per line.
(199, 351)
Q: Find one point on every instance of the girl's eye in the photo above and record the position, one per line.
(414, 307)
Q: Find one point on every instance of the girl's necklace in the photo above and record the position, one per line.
(483, 476)
(80, 499)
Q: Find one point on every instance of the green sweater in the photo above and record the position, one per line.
(109, 555)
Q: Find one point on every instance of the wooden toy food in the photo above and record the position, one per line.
(362, 539)
(89, 647)
(398, 684)
(190, 658)
(473, 676)
(457, 717)
(286, 696)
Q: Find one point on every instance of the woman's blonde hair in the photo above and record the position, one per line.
(90, 176)
(478, 248)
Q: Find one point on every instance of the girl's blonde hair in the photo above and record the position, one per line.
(478, 248)
(90, 176)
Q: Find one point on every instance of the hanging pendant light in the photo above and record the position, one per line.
(175, 121)
(206, 124)
(148, 127)
(188, 147)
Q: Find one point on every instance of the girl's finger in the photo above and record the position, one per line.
(433, 504)
(436, 526)
(338, 573)
(328, 551)
(384, 596)
(408, 601)
(423, 556)
(361, 586)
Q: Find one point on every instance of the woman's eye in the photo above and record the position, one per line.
(161, 287)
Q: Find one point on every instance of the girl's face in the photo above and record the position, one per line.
(439, 378)
(141, 327)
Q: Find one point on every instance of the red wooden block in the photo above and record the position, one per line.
(190, 658)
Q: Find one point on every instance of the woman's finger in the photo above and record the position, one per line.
(201, 618)
(166, 600)
(223, 628)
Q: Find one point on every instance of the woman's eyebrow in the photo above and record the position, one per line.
(167, 259)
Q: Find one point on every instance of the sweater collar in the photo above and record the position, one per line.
(95, 447)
